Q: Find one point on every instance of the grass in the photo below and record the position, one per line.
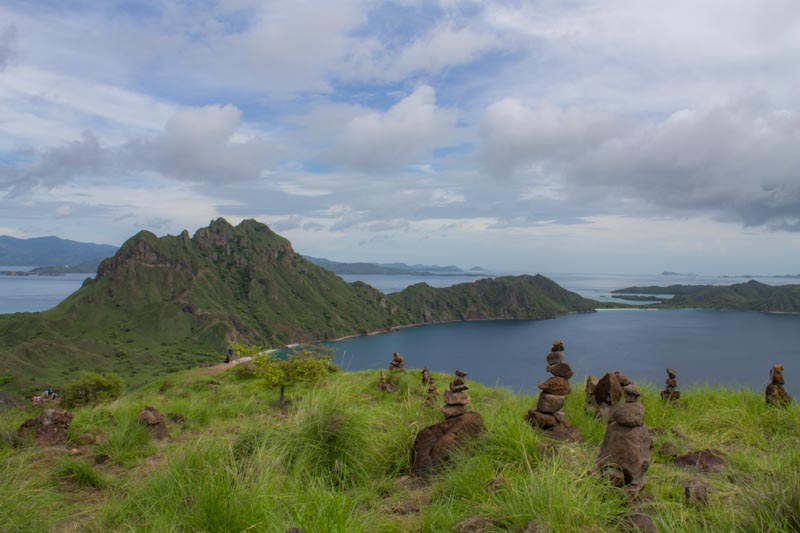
(337, 460)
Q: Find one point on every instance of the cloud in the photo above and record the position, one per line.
(8, 41)
(407, 133)
(737, 159)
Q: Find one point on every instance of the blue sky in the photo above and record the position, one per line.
(613, 136)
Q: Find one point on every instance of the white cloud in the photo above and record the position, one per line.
(405, 134)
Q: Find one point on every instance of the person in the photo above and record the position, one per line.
(227, 359)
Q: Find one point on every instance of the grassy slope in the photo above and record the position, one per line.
(335, 462)
(170, 303)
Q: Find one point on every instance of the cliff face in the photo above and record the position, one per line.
(159, 303)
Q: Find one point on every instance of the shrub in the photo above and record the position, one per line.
(91, 388)
(300, 366)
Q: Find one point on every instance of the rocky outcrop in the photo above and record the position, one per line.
(48, 429)
(154, 421)
(625, 451)
(775, 393)
(548, 414)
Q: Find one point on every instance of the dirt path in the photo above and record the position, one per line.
(220, 368)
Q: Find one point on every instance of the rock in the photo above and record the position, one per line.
(553, 358)
(48, 429)
(435, 444)
(777, 395)
(154, 421)
(456, 398)
(541, 420)
(669, 449)
(461, 373)
(555, 385)
(604, 411)
(639, 521)
(426, 376)
(591, 383)
(671, 382)
(626, 449)
(562, 370)
(453, 410)
(477, 525)
(74, 451)
(707, 460)
(85, 439)
(405, 508)
(776, 375)
(549, 403)
(177, 418)
(565, 432)
(696, 492)
(497, 484)
(608, 390)
(622, 378)
(628, 414)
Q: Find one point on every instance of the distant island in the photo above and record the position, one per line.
(749, 296)
(50, 251)
(87, 267)
(397, 269)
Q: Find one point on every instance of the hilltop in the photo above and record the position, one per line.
(337, 460)
(168, 303)
(50, 251)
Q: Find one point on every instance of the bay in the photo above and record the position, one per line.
(35, 293)
(715, 347)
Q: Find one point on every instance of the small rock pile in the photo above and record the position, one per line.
(669, 394)
(382, 385)
(155, 422)
(48, 429)
(625, 451)
(431, 392)
(435, 444)
(456, 399)
(776, 394)
(397, 363)
(548, 414)
(602, 394)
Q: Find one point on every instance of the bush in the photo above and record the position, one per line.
(91, 388)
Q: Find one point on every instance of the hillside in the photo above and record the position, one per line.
(164, 304)
(750, 296)
(338, 460)
(658, 289)
(49, 251)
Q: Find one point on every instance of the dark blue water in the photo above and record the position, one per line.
(730, 348)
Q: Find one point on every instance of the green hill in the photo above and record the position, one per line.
(164, 304)
(337, 460)
(750, 296)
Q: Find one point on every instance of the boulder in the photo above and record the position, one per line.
(555, 385)
(435, 444)
(626, 450)
(628, 414)
(549, 403)
(48, 429)
(707, 460)
(154, 421)
(451, 411)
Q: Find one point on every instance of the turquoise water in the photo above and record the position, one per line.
(730, 348)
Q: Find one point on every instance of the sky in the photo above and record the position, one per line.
(619, 136)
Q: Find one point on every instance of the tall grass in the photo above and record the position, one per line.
(127, 442)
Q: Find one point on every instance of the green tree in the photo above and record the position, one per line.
(300, 366)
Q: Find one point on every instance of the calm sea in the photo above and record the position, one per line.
(704, 346)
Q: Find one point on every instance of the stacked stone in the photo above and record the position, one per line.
(456, 399)
(397, 363)
(431, 393)
(382, 385)
(776, 394)
(602, 394)
(625, 451)
(669, 393)
(548, 414)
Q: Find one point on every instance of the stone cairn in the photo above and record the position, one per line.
(382, 385)
(548, 414)
(431, 392)
(776, 394)
(435, 444)
(602, 394)
(625, 451)
(669, 394)
(456, 399)
(397, 363)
